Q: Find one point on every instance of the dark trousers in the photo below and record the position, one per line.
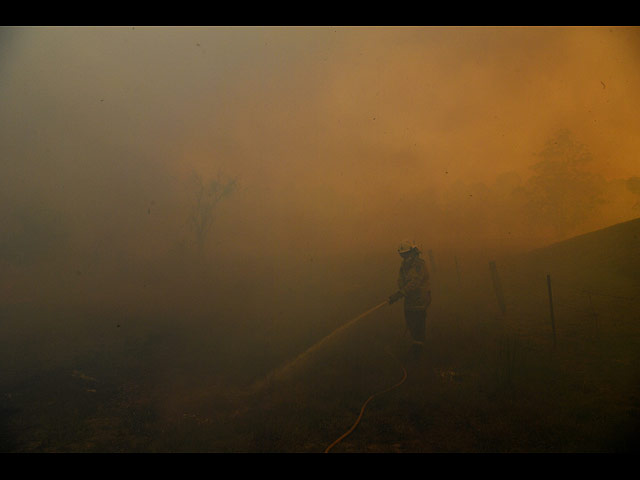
(416, 321)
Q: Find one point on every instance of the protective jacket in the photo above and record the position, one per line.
(413, 282)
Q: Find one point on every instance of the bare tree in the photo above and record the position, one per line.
(207, 196)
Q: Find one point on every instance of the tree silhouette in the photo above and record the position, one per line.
(561, 193)
(633, 185)
(207, 196)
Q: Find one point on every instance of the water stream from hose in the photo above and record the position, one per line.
(285, 369)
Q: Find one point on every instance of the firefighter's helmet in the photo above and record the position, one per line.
(406, 246)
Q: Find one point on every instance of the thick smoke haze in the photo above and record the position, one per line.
(191, 217)
(334, 143)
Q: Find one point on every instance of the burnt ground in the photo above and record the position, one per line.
(487, 382)
(481, 385)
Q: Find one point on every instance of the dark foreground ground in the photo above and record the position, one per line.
(480, 386)
(487, 381)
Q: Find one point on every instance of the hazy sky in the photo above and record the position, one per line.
(342, 139)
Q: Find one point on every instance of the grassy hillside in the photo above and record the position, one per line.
(488, 382)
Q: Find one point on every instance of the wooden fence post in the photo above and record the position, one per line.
(594, 315)
(553, 321)
(457, 271)
(497, 286)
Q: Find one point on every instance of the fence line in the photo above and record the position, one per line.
(508, 274)
(559, 293)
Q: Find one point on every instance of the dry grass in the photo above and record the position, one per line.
(486, 382)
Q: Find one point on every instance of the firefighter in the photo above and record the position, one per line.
(413, 285)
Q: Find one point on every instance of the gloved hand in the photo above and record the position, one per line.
(395, 297)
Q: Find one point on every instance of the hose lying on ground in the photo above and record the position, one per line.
(353, 427)
(284, 369)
